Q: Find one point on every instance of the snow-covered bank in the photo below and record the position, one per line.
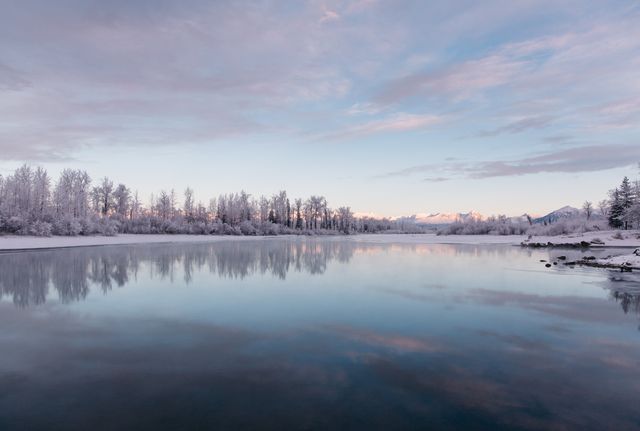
(627, 261)
(439, 239)
(29, 242)
(610, 238)
(35, 242)
(629, 239)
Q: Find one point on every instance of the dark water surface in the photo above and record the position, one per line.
(301, 333)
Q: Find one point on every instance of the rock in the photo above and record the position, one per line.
(597, 241)
(555, 263)
(548, 265)
(637, 252)
(585, 244)
(589, 258)
(562, 257)
(542, 260)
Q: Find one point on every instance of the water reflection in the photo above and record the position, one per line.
(27, 276)
(625, 289)
(372, 336)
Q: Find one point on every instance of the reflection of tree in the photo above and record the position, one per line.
(628, 301)
(625, 289)
(26, 277)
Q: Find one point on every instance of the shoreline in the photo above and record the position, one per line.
(16, 243)
(605, 239)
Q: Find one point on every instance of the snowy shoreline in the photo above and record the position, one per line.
(17, 243)
(628, 239)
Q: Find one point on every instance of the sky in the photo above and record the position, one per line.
(390, 107)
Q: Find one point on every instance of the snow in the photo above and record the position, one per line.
(626, 260)
(611, 238)
(629, 239)
(445, 218)
(439, 239)
(34, 242)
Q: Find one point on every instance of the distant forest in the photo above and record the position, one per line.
(31, 203)
(621, 210)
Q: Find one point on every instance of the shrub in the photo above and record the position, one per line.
(67, 227)
(246, 228)
(40, 228)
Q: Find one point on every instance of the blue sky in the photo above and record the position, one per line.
(392, 107)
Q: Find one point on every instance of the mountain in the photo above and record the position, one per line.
(566, 212)
(447, 218)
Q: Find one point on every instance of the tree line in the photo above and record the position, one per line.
(31, 203)
(621, 210)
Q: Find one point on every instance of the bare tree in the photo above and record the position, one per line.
(603, 206)
(587, 207)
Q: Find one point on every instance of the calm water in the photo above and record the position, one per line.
(315, 334)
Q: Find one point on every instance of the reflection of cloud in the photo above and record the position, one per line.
(517, 342)
(395, 342)
(569, 307)
(62, 362)
(408, 294)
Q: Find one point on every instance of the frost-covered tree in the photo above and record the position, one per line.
(264, 207)
(122, 200)
(41, 193)
(298, 209)
(188, 206)
(134, 209)
(164, 205)
(103, 196)
(625, 200)
(213, 208)
(30, 205)
(616, 210)
(587, 207)
(631, 216)
(71, 194)
(345, 219)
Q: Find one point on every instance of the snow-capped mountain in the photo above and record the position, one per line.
(447, 218)
(566, 212)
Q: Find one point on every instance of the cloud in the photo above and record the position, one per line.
(399, 122)
(435, 179)
(571, 160)
(364, 108)
(154, 75)
(559, 139)
(330, 15)
(535, 65)
(78, 75)
(519, 126)
(459, 81)
(11, 79)
(579, 159)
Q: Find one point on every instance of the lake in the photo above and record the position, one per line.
(304, 333)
